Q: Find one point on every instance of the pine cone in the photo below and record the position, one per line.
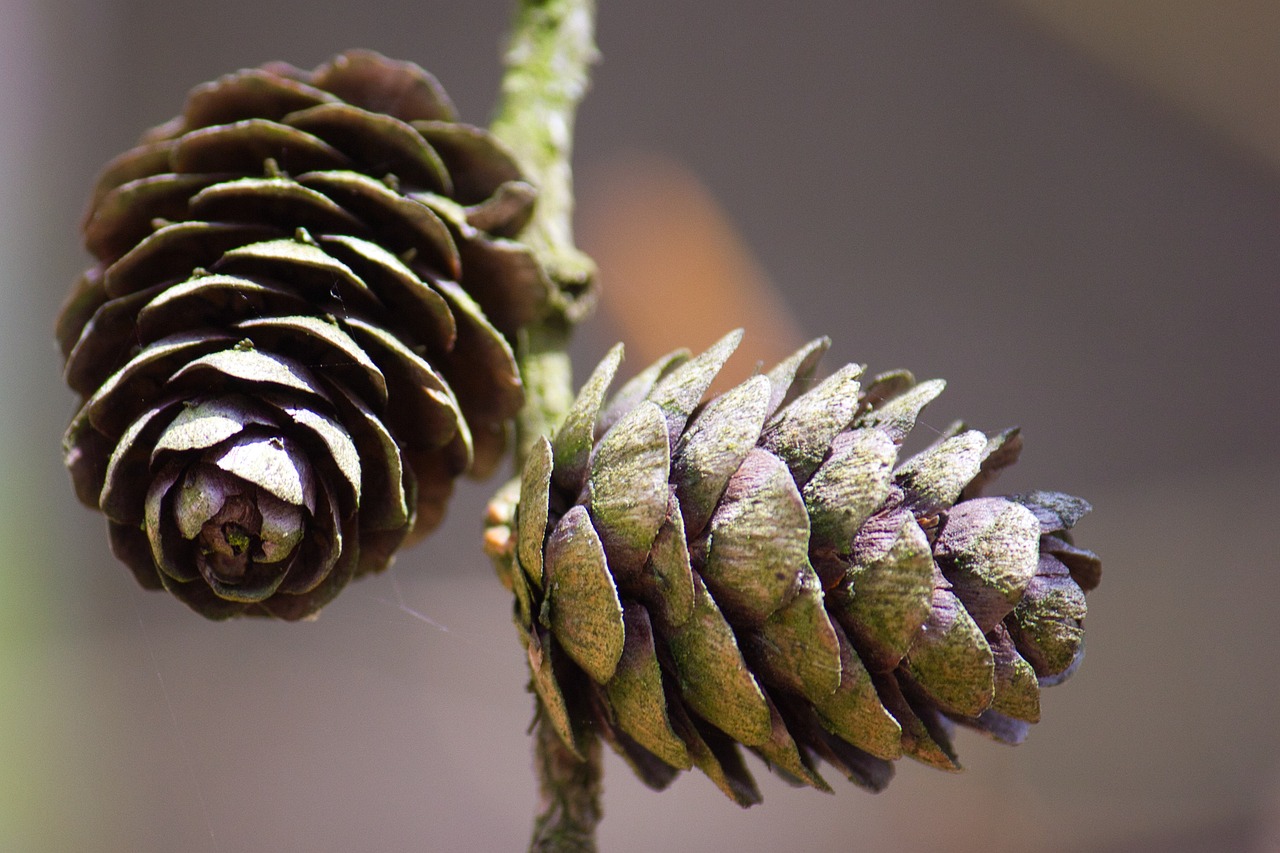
(296, 334)
(759, 570)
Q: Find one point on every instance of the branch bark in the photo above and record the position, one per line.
(547, 70)
(569, 793)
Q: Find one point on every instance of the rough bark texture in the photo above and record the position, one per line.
(552, 47)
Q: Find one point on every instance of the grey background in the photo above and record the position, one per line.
(934, 184)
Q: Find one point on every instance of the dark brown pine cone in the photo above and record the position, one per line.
(297, 331)
(761, 569)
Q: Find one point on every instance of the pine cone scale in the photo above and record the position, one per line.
(582, 606)
(535, 490)
(783, 754)
(380, 143)
(397, 289)
(887, 594)
(244, 146)
(713, 677)
(665, 584)
(801, 434)
(125, 215)
(125, 476)
(571, 451)
(89, 361)
(757, 542)
(627, 484)
(854, 712)
(243, 95)
(797, 646)
(128, 391)
(478, 163)
(636, 693)
(989, 550)
(714, 447)
(1046, 624)
(848, 487)
(949, 661)
(405, 224)
(172, 251)
(1017, 692)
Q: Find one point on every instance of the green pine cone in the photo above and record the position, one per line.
(761, 570)
(297, 331)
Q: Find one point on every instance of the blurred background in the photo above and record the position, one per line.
(1070, 210)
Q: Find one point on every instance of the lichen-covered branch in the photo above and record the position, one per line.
(569, 794)
(548, 381)
(552, 48)
(548, 60)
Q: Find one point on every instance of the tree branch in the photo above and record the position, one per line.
(548, 62)
(547, 68)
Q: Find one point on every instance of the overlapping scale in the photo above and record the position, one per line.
(762, 570)
(307, 277)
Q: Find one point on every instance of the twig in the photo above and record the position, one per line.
(569, 794)
(552, 47)
(547, 64)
